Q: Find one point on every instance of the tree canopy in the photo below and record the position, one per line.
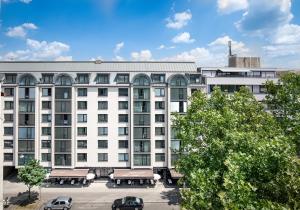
(234, 155)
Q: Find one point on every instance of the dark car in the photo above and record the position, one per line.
(62, 202)
(128, 203)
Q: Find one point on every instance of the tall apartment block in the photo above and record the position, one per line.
(105, 115)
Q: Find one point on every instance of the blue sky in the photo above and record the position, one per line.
(196, 30)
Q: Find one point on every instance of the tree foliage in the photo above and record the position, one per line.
(283, 100)
(234, 155)
(32, 174)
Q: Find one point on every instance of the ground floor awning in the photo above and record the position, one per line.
(175, 174)
(133, 174)
(69, 173)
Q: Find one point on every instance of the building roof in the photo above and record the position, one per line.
(133, 174)
(96, 66)
(233, 69)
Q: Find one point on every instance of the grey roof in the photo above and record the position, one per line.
(96, 66)
(235, 69)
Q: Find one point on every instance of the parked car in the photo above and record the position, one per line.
(61, 202)
(128, 203)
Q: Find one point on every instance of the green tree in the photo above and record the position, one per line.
(283, 100)
(32, 174)
(234, 155)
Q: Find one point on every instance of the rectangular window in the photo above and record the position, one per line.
(82, 118)
(123, 144)
(63, 93)
(63, 119)
(195, 78)
(82, 92)
(123, 118)
(46, 157)
(8, 144)
(26, 119)
(159, 92)
(46, 105)
(81, 104)
(102, 131)
(8, 157)
(123, 91)
(102, 91)
(8, 105)
(159, 118)
(82, 144)
(141, 119)
(47, 78)
(123, 131)
(102, 79)
(159, 157)
(63, 146)
(46, 144)
(63, 106)
(8, 131)
(159, 144)
(142, 160)
(102, 157)
(122, 78)
(102, 105)
(142, 146)
(46, 92)
(102, 118)
(27, 93)
(8, 92)
(46, 131)
(141, 106)
(102, 144)
(123, 104)
(141, 133)
(123, 157)
(26, 106)
(8, 118)
(141, 93)
(81, 157)
(10, 78)
(82, 79)
(46, 118)
(82, 131)
(178, 94)
(26, 133)
(62, 133)
(158, 78)
(159, 131)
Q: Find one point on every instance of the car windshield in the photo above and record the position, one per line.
(53, 201)
(137, 200)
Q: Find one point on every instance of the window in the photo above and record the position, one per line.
(8, 131)
(8, 157)
(46, 105)
(8, 118)
(123, 91)
(102, 91)
(46, 144)
(159, 131)
(102, 131)
(81, 157)
(8, 92)
(262, 89)
(141, 133)
(62, 133)
(46, 131)
(123, 157)
(142, 146)
(63, 159)
(159, 157)
(123, 104)
(123, 131)
(102, 118)
(8, 144)
(63, 106)
(46, 157)
(179, 106)
(141, 93)
(26, 119)
(159, 118)
(82, 144)
(26, 106)
(141, 119)
(63, 93)
(63, 146)
(64, 80)
(26, 133)
(178, 94)
(81, 118)
(141, 80)
(158, 78)
(178, 80)
(159, 92)
(46, 92)
(102, 105)
(63, 119)
(82, 79)
(141, 106)
(123, 118)
(82, 131)
(27, 80)
(82, 92)
(102, 157)
(8, 105)
(47, 78)
(82, 104)
(141, 160)
(159, 144)
(123, 144)
(46, 118)
(10, 79)
(26, 93)
(26, 146)
(102, 79)
(102, 144)
(122, 78)
(195, 78)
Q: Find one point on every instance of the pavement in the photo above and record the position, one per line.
(98, 195)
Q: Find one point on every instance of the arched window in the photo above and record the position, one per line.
(178, 80)
(63, 80)
(141, 80)
(27, 80)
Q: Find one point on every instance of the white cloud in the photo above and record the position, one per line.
(194, 55)
(163, 47)
(221, 43)
(184, 37)
(287, 34)
(39, 50)
(97, 58)
(64, 58)
(229, 6)
(179, 20)
(143, 55)
(119, 58)
(26, 1)
(21, 30)
(118, 47)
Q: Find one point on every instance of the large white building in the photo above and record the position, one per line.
(105, 115)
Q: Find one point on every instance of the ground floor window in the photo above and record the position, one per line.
(142, 159)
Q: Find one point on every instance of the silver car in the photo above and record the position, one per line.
(61, 202)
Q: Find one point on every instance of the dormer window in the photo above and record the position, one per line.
(122, 78)
(82, 78)
(102, 79)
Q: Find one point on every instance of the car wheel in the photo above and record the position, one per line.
(65, 208)
(48, 208)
